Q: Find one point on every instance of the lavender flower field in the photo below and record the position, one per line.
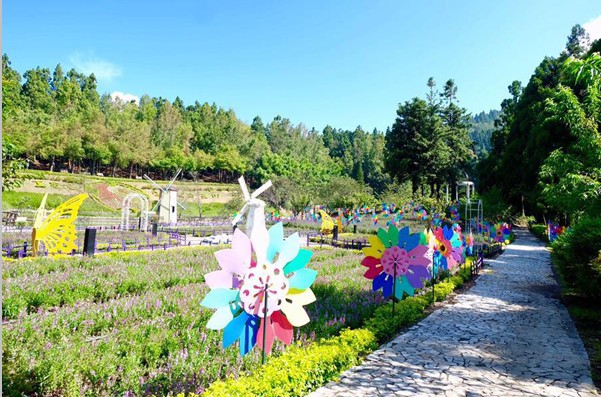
(131, 323)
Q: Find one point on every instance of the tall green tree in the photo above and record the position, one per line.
(571, 175)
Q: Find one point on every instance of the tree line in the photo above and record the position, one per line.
(58, 120)
(545, 157)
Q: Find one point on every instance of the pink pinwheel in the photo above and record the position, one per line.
(448, 250)
(270, 294)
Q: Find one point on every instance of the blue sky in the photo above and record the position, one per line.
(317, 62)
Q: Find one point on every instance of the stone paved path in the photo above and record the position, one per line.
(507, 336)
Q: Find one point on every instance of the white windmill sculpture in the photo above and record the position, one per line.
(255, 216)
(167, 203)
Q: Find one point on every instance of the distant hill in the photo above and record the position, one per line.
(483, 124)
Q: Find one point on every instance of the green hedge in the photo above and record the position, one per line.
(303, 369)
(576, 254)
(540, 231)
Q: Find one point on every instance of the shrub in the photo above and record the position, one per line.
(384, 325)
(576, 254)
(301, 369)
(540, 231)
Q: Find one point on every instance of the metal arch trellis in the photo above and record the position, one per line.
(125, 207)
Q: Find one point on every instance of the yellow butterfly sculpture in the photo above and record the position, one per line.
(57, 232)
(327, 224)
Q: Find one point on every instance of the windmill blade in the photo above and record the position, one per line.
(183, 206)
(156, 206)
(153, 182)
(260, 190)
(174, 178)
(245, 192)
(240, 214)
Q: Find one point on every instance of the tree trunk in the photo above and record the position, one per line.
(131, 169)
(52, 165)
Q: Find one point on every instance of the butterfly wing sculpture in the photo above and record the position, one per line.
(40, 214)
(57, 232)
(327, 224)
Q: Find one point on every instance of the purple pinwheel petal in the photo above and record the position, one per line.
(457, 254)
(220, 279)
(418, 255)
(416, 274)
(230, 261)
(241, 244)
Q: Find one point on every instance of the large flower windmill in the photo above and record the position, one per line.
(262, 286)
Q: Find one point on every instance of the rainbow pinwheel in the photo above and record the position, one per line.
(396, 252)
(554, 231)
(506, 231)
(469, 243)
(500, 233)
(241, 288)
(447, 246)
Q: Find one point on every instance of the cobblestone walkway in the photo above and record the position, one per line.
(507, 336)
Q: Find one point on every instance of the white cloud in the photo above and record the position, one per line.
(124, 97)
(103, 70)
(593, 28)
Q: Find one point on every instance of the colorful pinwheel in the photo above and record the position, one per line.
(500, 232)
(243, 287)
(396, 253)
(447, 246)
(554, 231)
(469, 242)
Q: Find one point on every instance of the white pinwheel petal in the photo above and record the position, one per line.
(220, 318)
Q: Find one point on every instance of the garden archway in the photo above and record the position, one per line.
(125, 207)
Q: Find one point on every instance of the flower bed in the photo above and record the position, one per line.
(131, 324)
(84, 334)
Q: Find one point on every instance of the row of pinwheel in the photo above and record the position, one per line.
(264, 282)
(400, 262)
(258, 301)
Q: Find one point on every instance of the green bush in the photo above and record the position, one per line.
(442, 290)
(301, 369)
(384, 325)
(540, 231)
(576, 254)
